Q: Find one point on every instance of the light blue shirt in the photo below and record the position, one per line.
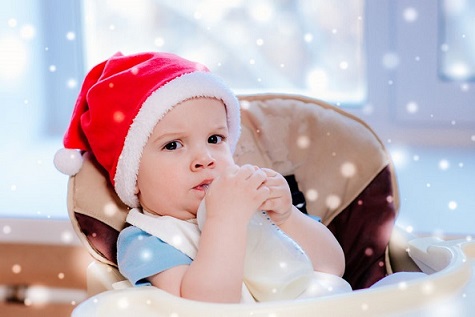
(141, 255)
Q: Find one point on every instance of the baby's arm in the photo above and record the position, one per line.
(216, 273)
(315, 239)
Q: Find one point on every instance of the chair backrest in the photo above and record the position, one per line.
(337, 165)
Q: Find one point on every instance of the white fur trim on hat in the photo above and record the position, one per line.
(196, 84)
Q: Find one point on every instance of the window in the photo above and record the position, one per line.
(40, 67)
(408, 47)
(457, 38)
(311, 47)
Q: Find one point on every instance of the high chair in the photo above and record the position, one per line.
(338, 170)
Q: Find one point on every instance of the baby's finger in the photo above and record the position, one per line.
(258, 178)
(245, 171)
(269, 204)
(269, 172)
(263, 194)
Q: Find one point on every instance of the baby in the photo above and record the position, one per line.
(165, 129)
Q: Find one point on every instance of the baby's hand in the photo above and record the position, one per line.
(279, 203)
(237, 193)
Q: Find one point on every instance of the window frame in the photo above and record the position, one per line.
(60, 18)
(387, 32)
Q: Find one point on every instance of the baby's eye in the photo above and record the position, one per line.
(173, 145)
(215, 139)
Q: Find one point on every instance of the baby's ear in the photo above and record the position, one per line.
(137, 191)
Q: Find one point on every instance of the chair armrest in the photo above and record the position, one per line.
(433, 254)
(102, 277)
(398, 256)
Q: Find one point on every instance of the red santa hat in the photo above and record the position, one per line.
(121, 101)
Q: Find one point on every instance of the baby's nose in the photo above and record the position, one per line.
(205, 160)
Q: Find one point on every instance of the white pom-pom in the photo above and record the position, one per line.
(68, 161)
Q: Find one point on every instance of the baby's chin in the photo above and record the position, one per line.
(191, 212)
(182, 214)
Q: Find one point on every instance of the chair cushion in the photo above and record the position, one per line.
(333, 155)
(363, 230)
(96, 212)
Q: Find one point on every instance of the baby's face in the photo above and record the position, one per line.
(187, 150)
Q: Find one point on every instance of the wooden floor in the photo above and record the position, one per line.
(56, 270)
(51, 310)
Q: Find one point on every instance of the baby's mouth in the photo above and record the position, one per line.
(204, 185)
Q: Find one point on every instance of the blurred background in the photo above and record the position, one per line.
(405, 67)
